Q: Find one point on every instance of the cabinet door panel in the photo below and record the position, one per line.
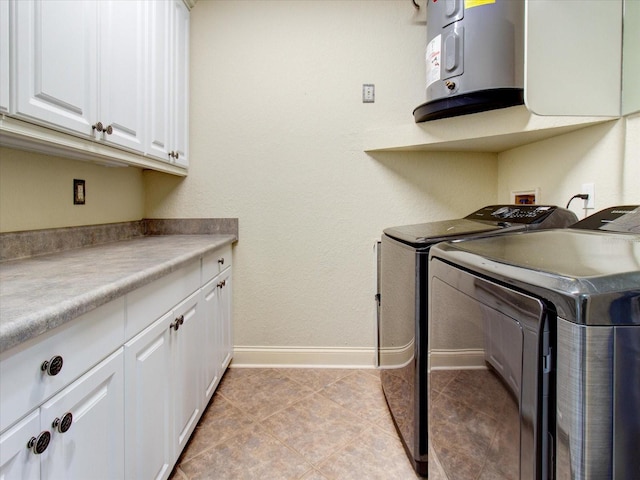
(16, 460)
(158, 92)
(187, 363)
(56, 62)
(4, 56)
(180, 107)
(148, 436)
(226, 320)
(212, 338)
(92, 447)
(122, 54)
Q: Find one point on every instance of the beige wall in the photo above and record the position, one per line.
(607, 155)
(277, 124)
(36, 191)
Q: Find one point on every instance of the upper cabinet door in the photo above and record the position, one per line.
(4, 56)
(168, 86)
(159, 85)
(56, 62)
(180, 110)
(121, 49)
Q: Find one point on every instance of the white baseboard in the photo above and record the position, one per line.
(317, 357)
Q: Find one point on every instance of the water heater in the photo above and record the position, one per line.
(474, 57)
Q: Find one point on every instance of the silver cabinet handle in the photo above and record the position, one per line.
(40, 443)
(52, 366)
(63, 424)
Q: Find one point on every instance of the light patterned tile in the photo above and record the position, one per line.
(220, 421)
(177, 474)
(316, 378)
(263, 393)
(315, 427)
(375, 455)
(313, 475)
(361, 393)
(250, 455)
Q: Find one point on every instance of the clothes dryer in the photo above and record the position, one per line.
(403, 314)
(534, 353)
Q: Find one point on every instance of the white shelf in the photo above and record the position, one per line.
(492, 131)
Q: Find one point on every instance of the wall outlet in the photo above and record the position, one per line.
(79, 192)
(589, 189)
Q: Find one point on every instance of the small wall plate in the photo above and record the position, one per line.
(526, 197)
(79, 192)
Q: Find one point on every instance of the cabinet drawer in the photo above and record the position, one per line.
(81, 343)
(150, 302)
(216, 262)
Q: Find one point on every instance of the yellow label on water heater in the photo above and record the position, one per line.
(476, 3)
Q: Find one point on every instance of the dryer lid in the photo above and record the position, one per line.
(425, 234)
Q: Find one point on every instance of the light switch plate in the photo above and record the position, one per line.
(368, 93)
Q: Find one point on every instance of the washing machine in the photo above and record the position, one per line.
(534, 353)
(402, 306)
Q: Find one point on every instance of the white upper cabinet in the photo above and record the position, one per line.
(56, 63)
(168, 88)
(80, 76)
(80, 67)
(121, 50)
(4, 56)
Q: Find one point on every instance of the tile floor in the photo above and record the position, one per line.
(307, 424)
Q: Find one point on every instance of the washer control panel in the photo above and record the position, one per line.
(513, 213)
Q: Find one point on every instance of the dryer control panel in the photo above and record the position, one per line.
(522, 214)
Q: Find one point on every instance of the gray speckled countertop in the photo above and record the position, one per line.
(41, 293)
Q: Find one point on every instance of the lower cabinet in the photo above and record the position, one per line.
(162, 370)
(76, 434)
(131, 414)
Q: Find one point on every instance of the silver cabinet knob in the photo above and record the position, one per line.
(101, 128)
(175, 325)
(63, 424)
(40, 443)
(53, 366)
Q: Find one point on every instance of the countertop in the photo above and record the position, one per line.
(40, 293)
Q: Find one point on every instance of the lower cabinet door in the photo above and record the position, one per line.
(212, 337)
(226, 320)
(16, 459)
(86, 421)
(149, 452)
(187, 362)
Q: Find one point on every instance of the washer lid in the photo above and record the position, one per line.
(424, 234)
(587, 274)
(623, 218)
